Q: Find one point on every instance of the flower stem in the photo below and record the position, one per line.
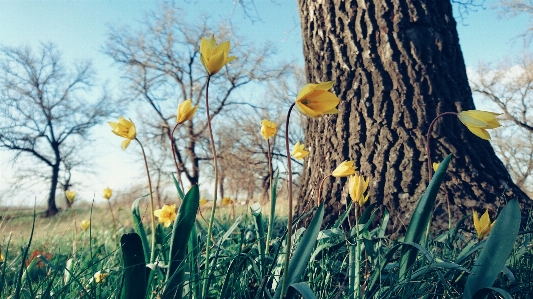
(320, 189)
(284, 285)
(272, 201)
(211, 220)
(178, 172)
(114, 223)
(152, 253)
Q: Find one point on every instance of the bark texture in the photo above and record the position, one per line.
(397, 64)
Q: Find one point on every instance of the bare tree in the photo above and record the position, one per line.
(45, 110)
(161, 64)
(513, 8)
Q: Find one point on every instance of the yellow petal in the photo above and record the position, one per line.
(306, 110)
(125, 143)
(322, 101)
(222, 48)
(216, 62)
(325, 85)
(481, 133)
(471, 121)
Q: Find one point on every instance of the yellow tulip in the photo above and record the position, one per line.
(100, 276)
(185, 111)
(314, 99)
(345, 169)
(166, 215)
(435, 166)
(357, 187)
(268, 129)
(478, 122)
(70, 195)
(298, 152)
(203, 201)
(125, 129)
(107, 193)
(227, 201)
(483, 225)
(85, 224)
(214, 56)
(1, 258)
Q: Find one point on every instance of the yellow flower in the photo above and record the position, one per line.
(298, 152)
(435, 166)
(358, 186)
(70, 195)
(268, 129)
(185, 111)
(124, 128)
(345, 169)
(478, 121)
(166, 215)
(483, 225)
(227, 201)
(85, 224)
(100, 277)
(214, 57)
(203, 201)
(314, 99)
(1, 258)
(107, 193)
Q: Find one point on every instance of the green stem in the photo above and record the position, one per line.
(284, 284)
(178, 172)
(211, 220)
(272, 201)
(357, 259)
(152, 253)
(114, 223)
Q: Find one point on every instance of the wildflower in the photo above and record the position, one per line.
(214, 57)
(358, 186)
(435, 166)
(70, 195)
(166, 215)
(268, 129)
(483, 225)
(345, 169)
(1, 258)
(478, 122)
(298, 152)
(227, 201)
(107, 193)
(314, 99)
(124, 128)
(100, 276)
(85, 224)
(185, 111)
(203, 201)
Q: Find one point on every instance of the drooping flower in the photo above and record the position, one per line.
(203, 201)
(268, 129)
(227, 201)
(358, 185)
(435, 166)
(100, 276)
(107, 193)
(314, 99)
(70, 195)
(483, 225)
(185, 111)
(478, 122)
(345, 169)
(124, 128)
(214, 56)
(298, 152)
(166, 215)
(85, 224)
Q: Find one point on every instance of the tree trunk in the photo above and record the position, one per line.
(397, 64)
(52, 208)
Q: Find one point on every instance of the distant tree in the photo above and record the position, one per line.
(161, 65)
(45, 112)
(513, 8)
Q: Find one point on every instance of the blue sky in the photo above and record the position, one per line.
(79, 29)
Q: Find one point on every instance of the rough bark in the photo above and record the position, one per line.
(397, 64)
(52, 208)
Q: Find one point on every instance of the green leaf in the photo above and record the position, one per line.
(139, 228)
(422, 217)
(133, 259)
(302, 253)
(176, 183)
(181, 231)
(301, 288)
(194, 256)
(494, 254)
(344, 215)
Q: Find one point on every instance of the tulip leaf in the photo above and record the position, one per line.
(422, 218)
(133, 259)
(497, 248)
(344, 215)
(183, 225)
(178, 188)
(194, 255)
(302, 253)
(302, 288)
(139, 228)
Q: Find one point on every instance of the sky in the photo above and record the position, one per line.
(79, 29)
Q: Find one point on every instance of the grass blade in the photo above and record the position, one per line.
(139, 228)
